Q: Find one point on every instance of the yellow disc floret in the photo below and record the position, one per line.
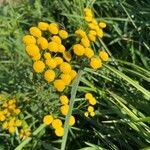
(63, 34)
(39, 66)
(49, 75)
(35, 32)
(72, 120)
(56, 123)
(59, 131)
(59, 85)
(47, 120)
(29, 39)
(42, 42)
(53, 28)
(103, 55)
(65, 67)
(78, 49)
(43, 26)
(64, 99)
(95, 63)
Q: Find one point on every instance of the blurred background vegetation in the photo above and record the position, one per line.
(121, 86)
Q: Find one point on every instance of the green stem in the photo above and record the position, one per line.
(72, 100)
(27, 140)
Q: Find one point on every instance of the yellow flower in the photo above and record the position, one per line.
(49, 75)
(61, 48)
(73, 74)
(88, 96)
(95, 63)
(63, 34)
(92, 26)
(92, 101)
(94, 21)
(36, 57)
(65, 67)
(43, 26)
(102, 25)
(64, 109)
(42, 42)
(38, 66)
(72, 120)
(86, 114)
(78, 49)
(5, 125)
(100, 33)
(32, 50)
(59, 131)
(56, 39)
(2, 117)
(103, 55)
(11, 129)
(58, 60)
(80, 33)
(53, 28)
(67, 56)
(18, 123)
(92, 37)
(92, 32)
(12, 101)
(51, 63)
(5, 111)
(66, 78)
(5, 105)
(85, 42)
(47, 120)
(88, 12)
(92, 114)
(59, 85)
(35, 32)
(64, 99)
(89, 52)
(12, 122)
(90, 108)
(17, 111)
(56, 123)
(88, 18)
(47, 55)
(28, 39)
(53, 46)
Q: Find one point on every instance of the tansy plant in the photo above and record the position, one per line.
(12, 120)
(59, 65)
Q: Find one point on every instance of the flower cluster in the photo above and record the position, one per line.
(83, 48)
(57, 124)
(10, 119)
(92, 101)
(50, 57)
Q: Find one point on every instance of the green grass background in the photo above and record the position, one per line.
(121, 86)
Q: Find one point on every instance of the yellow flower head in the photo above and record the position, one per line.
(56, 123)
(78, 49)
(102, 25)
(59, 131)
(103, 55)
(80, 33)
(73, 74)
(92, 101)
(72, 120)
(63, 34)
(64, 99)
(90, 108)
(88, 96)
(38, 66)
(5, 125)
(95, 63)
(56, 39)
(32, 50)
(53, 28)
(89, 52)
(64, 109)
(92, 32)
(66, 78)
(92, 37)
(92, 114)
(49, 75)
(53, 46)
(17, 111)
(35, 32)
(59, 85)
(42, 42)
(58, 60)
(18, 123)
(29, 39)
(86, 114)
(47, 120)
(65, 67)
(43, 26)
(100, 33)
(51, 63)
(88, 18)
(11, 129)
(36, 57)
(47, 55)
(85, 42)
(61, 48)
